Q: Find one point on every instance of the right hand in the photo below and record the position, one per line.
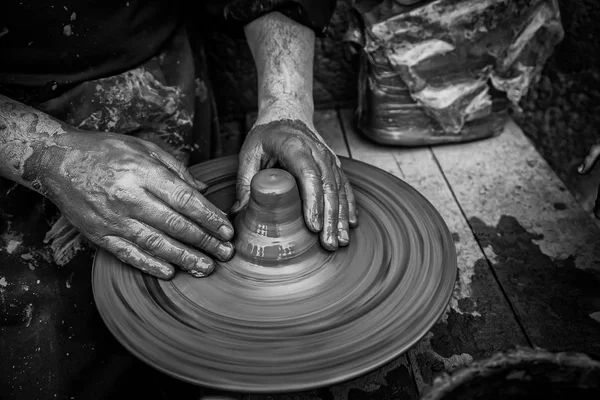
(135, 200)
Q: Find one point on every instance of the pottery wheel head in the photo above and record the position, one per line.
(271, 230)
(284, 314)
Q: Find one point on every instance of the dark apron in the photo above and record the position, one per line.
(53, 343)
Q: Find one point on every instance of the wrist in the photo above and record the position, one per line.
(44, 168)
(276, 108)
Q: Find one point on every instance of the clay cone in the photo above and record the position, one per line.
(271, 230)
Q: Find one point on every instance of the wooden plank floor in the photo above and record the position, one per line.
(528, 256)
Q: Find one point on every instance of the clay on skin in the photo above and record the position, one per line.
(327, 197)
(283, 52)
(24, 133)
(124, 194)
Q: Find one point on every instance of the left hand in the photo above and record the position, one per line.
(328, 201)
(587, 165)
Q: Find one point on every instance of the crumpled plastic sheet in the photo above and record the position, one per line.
(453, 58)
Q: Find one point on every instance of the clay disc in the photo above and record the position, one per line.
(354, 310)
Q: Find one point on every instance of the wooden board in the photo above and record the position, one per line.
(542, 246)
(478, 321)
(394, 379)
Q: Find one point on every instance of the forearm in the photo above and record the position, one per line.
(283, 52)
(26, 135)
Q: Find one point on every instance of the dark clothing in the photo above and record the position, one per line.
(50, 45)
(120, 66)
(53, 44)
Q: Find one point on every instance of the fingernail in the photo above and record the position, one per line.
(330, 241)
(225, 232)
(580, 168)
(162, 272)
(203, 268)
(344, 236)
(225, 251)
(235, 206)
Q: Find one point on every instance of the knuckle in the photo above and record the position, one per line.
(207, 242)
(176, 224)
(184, 258)
(183, 197)
(153, 241)
(294, 142)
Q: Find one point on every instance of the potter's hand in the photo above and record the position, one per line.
(587, 165)
(327, 197)
(133, 199)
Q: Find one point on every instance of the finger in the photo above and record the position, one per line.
(329, 234)
(177, 167)
(590, 159)
(307, 173)
(187, 201)
(249, 165)
(159, 216)
(352, 209)
(342, 225)
(169, 250)
(130, 254)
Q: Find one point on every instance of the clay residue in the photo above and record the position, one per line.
(28, 314)
(427, 363)
(11, 240)
(65, 241)
(23, 128)
(138, 93)
(555, 298)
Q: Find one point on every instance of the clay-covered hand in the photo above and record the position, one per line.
(587, 165)
(135, 200)
(328, 200)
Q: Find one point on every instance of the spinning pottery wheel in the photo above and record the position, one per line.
(284, 314)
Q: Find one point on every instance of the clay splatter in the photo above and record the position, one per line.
(393, 377)
(429, 363)
(12, 241)
(69, 280)
(562, 296)
(28, 314)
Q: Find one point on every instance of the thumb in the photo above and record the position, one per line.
(590, 159)
(248, 167)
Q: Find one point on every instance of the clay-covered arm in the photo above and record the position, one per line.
(283, 52)
(124, 194)
(28, 138)
(284, 133)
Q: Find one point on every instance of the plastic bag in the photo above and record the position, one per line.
(447, 70)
